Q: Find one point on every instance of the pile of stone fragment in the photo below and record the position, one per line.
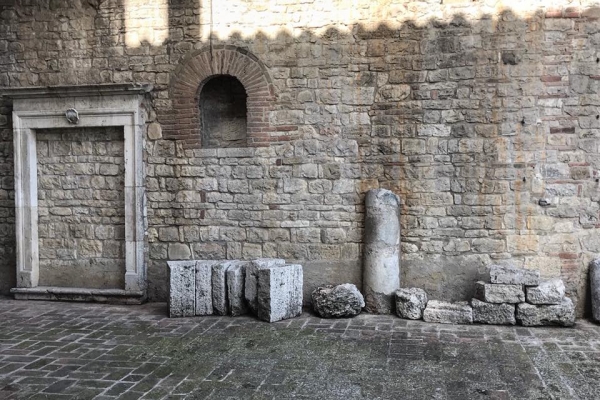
(266, 287)
(512, 295)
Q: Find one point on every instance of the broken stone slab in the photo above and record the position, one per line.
(337, 301)
(236, 274)
(595, 288)
(548, 292)
(410, 303)
(499, 293)
(494, 314)
(251, 284)
(279, 292)
(219, 287)
(448, 313)
(204, 303)
(511, 275)
(182, 287)
(540, 315)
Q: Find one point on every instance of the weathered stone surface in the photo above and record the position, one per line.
(381, 267)
(499, 293)
(235, 288)
(219, 287)
(410, 303)
(511, 275)
(182, 284)
(595, 288)
(547, 292)
(448, 313)
(337, 301)
(537, 315)
(495, 314)
(279, 292)
(251, 284)
(204, 303)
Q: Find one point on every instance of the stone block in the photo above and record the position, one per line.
(219, 287)
(494, 314)
(548, 292)
(235, 288)
(410, 303)
(448, 313)
(204, 303)
(251, 284)
(510, 275)
(182, 285)
(279, 292)
(337, 301)
(595, 288)
(538, 315)
(499, 293)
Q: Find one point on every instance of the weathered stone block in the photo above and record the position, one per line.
(182, 284)
(595, 288)
(495, 314)
(235, 288)
(499, 293)
(219, 287)
(536, 315)
(514, 276)
(548, 292)
(448, 313)
(204, 304)
(279, 292)
(338, 301)
(251, 284)
(410, 303)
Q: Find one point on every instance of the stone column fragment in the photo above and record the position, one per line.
(235, 288)
(204, 303)
(251, 284)
(182, 287)
(381, 266)
(279, 292)
(219, 287)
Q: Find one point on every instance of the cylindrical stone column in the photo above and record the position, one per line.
(381, 264)
(595, 288)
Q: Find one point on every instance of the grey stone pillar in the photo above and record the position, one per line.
(381, 264)
(595, 288)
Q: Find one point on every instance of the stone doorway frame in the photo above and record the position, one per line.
(95, 106)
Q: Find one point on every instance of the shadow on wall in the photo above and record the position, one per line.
(470, 121)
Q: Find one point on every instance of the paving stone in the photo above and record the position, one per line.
(499, 293)
(448, 313)
(539, 315)
(182, 284)
(235, 288)
(410, 303)
(204, 303)
(219, 287)
(251, 285)
(337, 301)
(547, 292)
(511, 275)
(280, 292)
(494, 314)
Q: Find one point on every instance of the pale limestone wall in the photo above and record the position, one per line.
(81, 222)
(471, 112)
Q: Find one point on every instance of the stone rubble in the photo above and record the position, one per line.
(548, 292)
(538, 315)
(499, 293)
(279, 292)
(410, 303)
(182, 287)
(339, 301)
(448, 313)
(494, 314)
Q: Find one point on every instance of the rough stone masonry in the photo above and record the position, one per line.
(483, 119)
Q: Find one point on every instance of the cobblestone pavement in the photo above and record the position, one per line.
(84, 351)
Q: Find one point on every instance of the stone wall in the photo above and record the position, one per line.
(483, 118)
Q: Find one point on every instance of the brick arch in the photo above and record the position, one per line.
(187, 81)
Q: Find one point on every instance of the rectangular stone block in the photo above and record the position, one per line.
(204, 303)
(548, 292)
(511, 275)
(251, 284)
(499, 293)
(182, 287)
(538, 315)
(235, 288)
(219, 287)
(448, 313)
(280, 292)
(495, 314)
